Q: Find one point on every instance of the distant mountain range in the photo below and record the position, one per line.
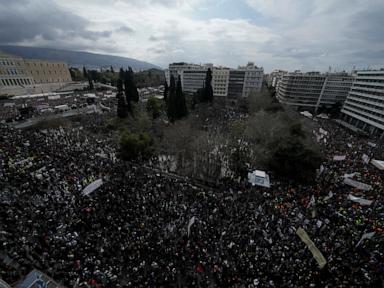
(77, 58)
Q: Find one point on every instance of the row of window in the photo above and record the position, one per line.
(15, 82)
(353, 109)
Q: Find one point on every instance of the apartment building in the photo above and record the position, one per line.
(312, 90)
(20, 76)
(364, 106)
(274, 77)
(227, 84)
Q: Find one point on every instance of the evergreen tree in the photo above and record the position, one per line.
(181, 107)
(128, 97)
(208, 91)
(171, 107)
(112, 70)
(85, 74)
(119, 86)
(165, 91)
(132, 89)
(121, 74)
(121, 105)
(90, 82)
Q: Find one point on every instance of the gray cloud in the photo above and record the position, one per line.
(26, 20)
(125, 29)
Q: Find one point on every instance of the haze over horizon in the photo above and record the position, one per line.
(276, 34)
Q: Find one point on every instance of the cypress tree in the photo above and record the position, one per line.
(181, 107)
(85, 74)
(166, 91)
(121, 105)
(90, 82)
(171, 107)
(132, 86)
(112, 70)
(128, 97)
(208, 91)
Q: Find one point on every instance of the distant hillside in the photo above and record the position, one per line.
(77, 59)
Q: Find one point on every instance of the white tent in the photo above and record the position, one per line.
(92, 187)
(259, 178)
(379, 164)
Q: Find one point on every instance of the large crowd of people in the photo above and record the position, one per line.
(142, 228)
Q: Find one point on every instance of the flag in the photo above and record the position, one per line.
(365, 236)
(311, 202)
(357, 184)
(365, 158)
(191, 221)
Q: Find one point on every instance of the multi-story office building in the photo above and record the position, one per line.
(274, 77)
(253, 78)
(21, 76)
(228, 84)
(14, 75)
(364, 107)
(48, 71)
(313, 90)
(220, 80)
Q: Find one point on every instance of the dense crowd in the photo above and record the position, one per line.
(133, 231)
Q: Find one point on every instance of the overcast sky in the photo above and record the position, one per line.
(275, 34)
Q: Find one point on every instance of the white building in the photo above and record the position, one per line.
(364, 107)
(220, 80)
(228, 84)
(313, 90)
(253, 78)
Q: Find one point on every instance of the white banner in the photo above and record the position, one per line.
(191, 221)
(339, 158)
(357, 184)
(361, 201)
(92, 187)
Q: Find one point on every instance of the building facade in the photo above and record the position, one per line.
(48, 71)
(313, 90)
(227, 84)
(364, 106)
(14, 76)
(19, 76)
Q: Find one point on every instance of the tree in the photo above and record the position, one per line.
(131, 88)
(293, 160)
(135, 145)
(208, 91)
(85, 74)
(128, 98)
(153, 107)
(165, 91)
(119, 86)
(171, 107)
(121, 105)
(90, 82)
(112, 70)
(181, 107)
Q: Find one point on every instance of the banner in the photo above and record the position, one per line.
(361, 201)
(311, 246)
(92, 187)
(357, 184)
(339, 158)
(191, 221)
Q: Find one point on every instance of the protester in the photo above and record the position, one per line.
(136, 229)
